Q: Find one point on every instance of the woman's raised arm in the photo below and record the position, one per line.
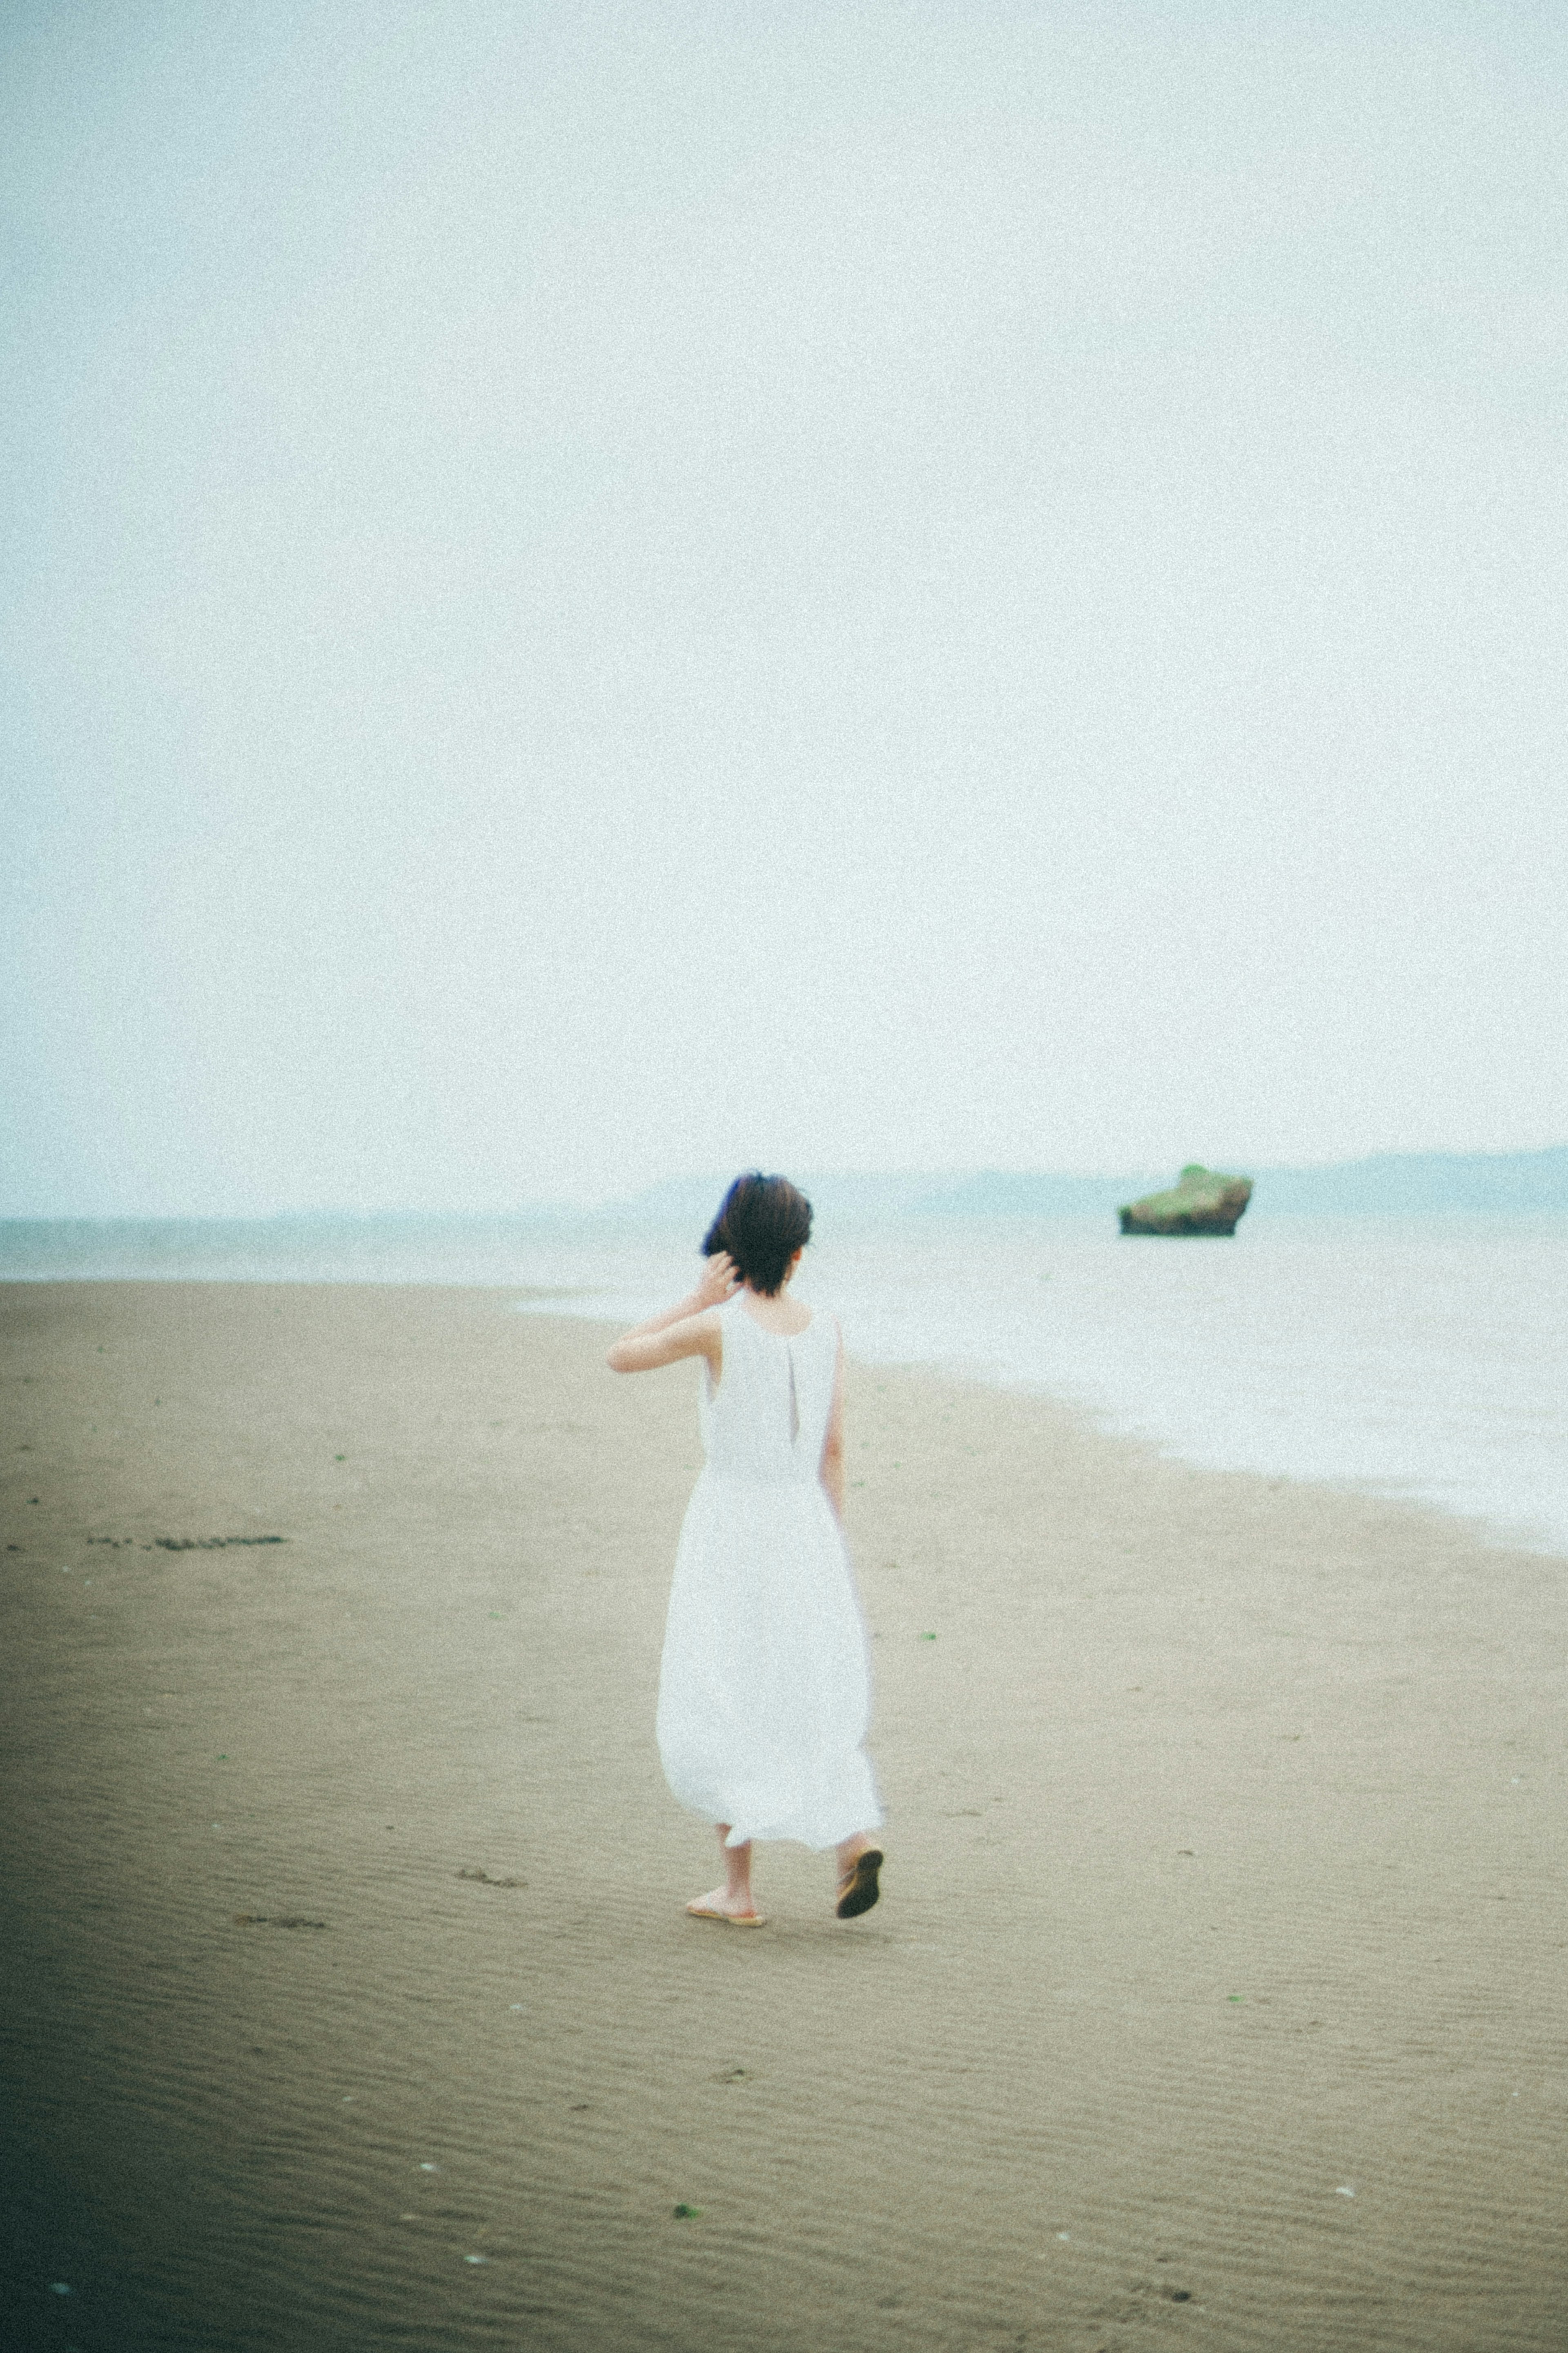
(690, 1328)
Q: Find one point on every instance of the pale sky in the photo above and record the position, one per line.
(592, 591)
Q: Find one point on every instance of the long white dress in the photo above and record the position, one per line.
(765, 1689)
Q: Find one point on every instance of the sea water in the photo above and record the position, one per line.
(1423, 1357)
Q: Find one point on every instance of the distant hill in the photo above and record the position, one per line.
(846, 1199)
(1420, 1184)
(1395, 1185)
(1001, 1193)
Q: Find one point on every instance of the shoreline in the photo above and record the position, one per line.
(1449, 1398)
(1227, 1823)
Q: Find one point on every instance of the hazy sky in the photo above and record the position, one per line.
(595, 591)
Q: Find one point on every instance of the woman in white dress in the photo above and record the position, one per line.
(765, 1689)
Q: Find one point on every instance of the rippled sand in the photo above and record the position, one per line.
(348, 1998)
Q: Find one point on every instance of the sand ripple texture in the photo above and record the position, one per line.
(1214, 2000)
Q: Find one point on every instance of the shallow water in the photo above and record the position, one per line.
(1428, 1359)
(1423, 1358)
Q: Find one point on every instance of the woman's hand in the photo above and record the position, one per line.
(719, 1282)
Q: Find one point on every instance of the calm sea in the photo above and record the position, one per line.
(1426, 1357)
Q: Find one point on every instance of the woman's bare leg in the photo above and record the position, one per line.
(734, 1899)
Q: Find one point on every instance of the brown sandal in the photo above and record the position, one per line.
(857, 1889)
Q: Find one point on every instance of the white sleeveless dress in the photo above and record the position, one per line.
(765, 1689)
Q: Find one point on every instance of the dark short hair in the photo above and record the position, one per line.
(761, 1222)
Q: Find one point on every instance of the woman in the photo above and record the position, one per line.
(764, 1689)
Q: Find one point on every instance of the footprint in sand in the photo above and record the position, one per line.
(486, 1881)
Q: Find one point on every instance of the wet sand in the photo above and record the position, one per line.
(348, 1998)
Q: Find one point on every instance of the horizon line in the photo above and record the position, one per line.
(610, 1205)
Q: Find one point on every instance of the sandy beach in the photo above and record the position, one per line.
(1215, 1998)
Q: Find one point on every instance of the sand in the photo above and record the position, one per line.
(348, 1997)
